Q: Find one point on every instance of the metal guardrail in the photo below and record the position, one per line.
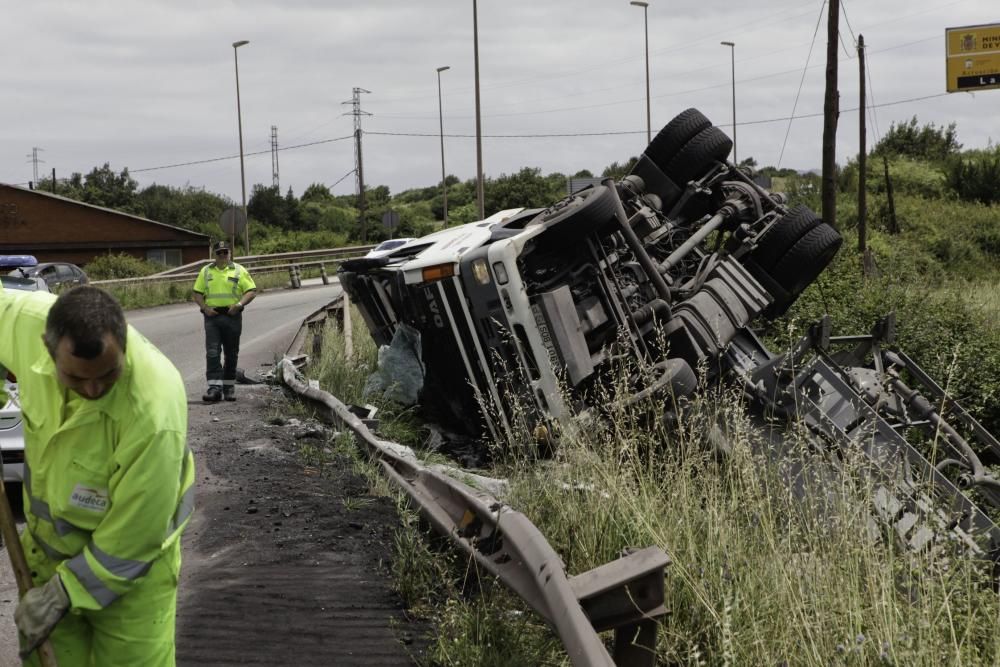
(314, 258)
(253, 261)
(625, 595)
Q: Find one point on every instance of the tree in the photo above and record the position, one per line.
(103, 187)
(268, 206)
(317, 192)
(292, 216)
(190, 208)
(923, 143)
(974, 176)
(618, 171)
(527, 188)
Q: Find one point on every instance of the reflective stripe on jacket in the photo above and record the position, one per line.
(108, 483)
(223, 287)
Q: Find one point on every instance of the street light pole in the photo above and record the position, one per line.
(243, 178)
(480, 193)
(732, 52)
(444, 183)
(645, 22)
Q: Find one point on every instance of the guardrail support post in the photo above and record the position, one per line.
(322, 272)
(626, 595)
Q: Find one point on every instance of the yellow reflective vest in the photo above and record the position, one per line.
(225, 286)
(108, 483)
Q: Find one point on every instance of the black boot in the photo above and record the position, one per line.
(213, 394)
(229, 392)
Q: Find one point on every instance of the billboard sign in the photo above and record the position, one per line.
(973, 57)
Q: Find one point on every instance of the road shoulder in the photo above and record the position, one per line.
(284, 564)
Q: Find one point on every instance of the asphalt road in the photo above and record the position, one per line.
(269, 324)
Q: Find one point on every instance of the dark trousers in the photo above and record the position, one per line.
(222, 337)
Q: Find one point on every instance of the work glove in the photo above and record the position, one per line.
(39, 611)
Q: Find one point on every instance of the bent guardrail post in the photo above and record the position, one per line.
(625, 595)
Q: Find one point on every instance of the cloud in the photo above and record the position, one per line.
(144, 85)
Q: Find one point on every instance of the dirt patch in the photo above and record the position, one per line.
(284, 565)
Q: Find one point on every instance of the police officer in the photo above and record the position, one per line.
(108, 479)
(222, 290)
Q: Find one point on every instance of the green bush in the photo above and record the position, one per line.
(122, 265)
(909, 176)
(974, 175)
(953, 337)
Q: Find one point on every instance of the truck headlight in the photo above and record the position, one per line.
(481, 271)
(501, 272)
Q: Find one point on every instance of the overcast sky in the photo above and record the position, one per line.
(150, 84)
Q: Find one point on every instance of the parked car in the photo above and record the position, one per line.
(11, 428)
(57, 275)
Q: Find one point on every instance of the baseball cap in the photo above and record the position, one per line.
(220, 246)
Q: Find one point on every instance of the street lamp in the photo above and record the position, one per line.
(243, 178)
(444, 184)
(645, 21)
(480, 194)
(732, 52)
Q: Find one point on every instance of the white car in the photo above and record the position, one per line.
(11, 428)
(11, 432)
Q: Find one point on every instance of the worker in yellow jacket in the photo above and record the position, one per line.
(222, 290)
(108, 479)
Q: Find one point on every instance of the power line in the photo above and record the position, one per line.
(233, 157)
(801, 82)
(508, 136)
(342, 178)
(872, 106)
(436, 135)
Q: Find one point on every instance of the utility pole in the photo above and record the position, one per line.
(862, 155)
(480, 191)
(831, 112)
(53, 180)
(275, 181)
(359, 171)
(35, 161)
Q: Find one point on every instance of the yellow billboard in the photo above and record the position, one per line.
(973, 57)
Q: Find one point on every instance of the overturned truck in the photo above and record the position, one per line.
(523, 316)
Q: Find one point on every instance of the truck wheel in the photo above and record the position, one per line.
(803, 262)
(674, 135)
(577, 216)
(709, 146)
(784, 234)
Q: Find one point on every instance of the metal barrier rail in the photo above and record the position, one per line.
(190, 277)
(252, 261)
(625, 595)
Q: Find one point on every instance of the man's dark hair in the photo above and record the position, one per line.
(85, 314)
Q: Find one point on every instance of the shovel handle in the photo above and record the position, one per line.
(22, 573)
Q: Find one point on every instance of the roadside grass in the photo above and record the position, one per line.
(757, 576)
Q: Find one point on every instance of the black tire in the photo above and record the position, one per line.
(674, 135)
(579, 215)
(784, 234)
(805, 260)
(709, 146)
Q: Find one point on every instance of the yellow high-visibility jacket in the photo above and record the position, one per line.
(108, 483)
(225, 286)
